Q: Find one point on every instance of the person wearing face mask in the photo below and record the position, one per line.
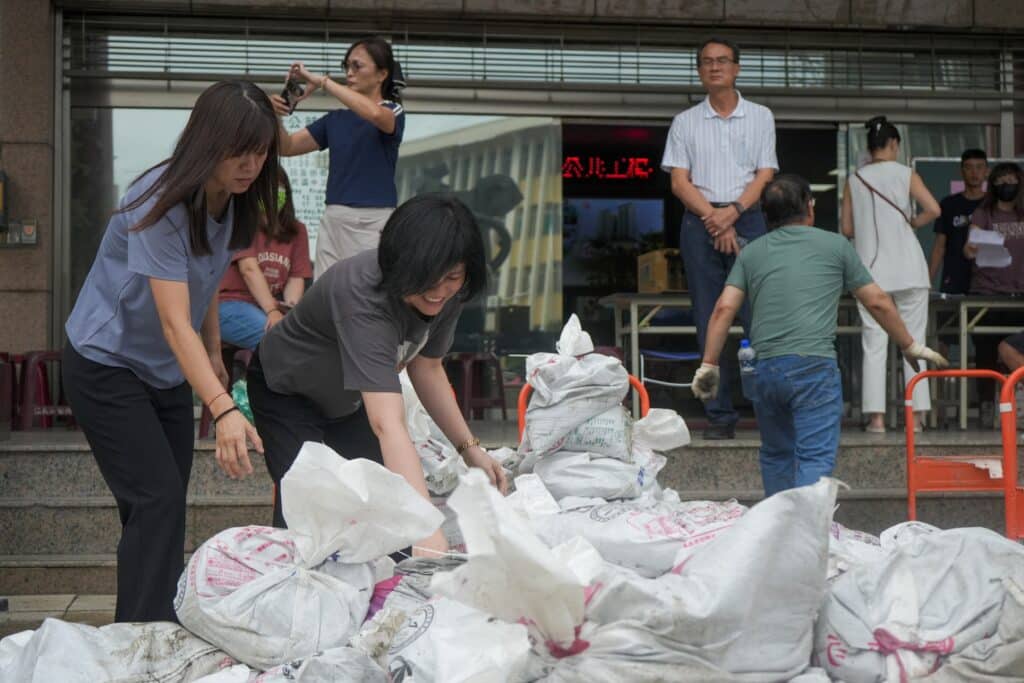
(1001, 210)
(144, 332)
(877, 215)
(329, 371)
(267, 279)
(363, 140)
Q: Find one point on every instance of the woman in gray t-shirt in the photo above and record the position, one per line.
(144, 333)
(328, 372)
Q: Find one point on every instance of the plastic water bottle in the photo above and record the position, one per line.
(748, 368)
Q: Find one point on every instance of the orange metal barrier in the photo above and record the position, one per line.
(956, 472)
(1013, 493)
(524, 400)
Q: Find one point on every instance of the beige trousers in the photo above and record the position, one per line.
(346, 231)
(912, 305)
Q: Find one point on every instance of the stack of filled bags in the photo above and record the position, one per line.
(578, 437)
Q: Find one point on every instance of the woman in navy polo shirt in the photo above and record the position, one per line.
(145, 328)
(363, 140)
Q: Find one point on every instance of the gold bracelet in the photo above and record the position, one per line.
(467, 445)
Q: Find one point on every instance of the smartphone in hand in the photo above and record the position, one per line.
(293, 90)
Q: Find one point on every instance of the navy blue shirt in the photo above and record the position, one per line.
(955, 222)
(363, 157)
(114, 321)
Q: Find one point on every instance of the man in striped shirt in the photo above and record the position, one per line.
(721, 154)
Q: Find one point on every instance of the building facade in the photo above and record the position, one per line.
(96, 90)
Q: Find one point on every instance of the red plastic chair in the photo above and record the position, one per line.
(234, 359)
(472, 368)
(524, 401)
(39, 405)
(12, 392)
(951, 472)
(1013, 493)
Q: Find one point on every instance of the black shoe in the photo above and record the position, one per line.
(719, 432)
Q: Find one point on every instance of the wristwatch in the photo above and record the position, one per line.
(739, 207)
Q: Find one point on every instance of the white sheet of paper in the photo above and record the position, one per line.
(991, 252)
(979, 236)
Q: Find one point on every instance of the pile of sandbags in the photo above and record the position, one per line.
(648, 535)
(578, 438)
(940, 605)
(587, 572)
(158, 652)
(267, 596)
(741, 608)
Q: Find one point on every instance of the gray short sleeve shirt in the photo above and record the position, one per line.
(115, 321)
(345, 337)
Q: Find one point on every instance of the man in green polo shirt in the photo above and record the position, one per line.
(794, 277)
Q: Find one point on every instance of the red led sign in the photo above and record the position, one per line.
(600, 168)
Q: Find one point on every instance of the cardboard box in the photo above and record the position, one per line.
(659, 271)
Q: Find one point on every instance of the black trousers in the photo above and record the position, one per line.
(286, 421)
(142, 439)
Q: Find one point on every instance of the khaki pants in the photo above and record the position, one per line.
(346, 231)
(912, 305)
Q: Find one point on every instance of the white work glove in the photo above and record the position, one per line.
(705, 382)
(918, 351)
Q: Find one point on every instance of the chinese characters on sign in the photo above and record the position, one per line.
(308, 175)
(601, 168)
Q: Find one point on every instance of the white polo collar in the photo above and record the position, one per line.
(738, 112)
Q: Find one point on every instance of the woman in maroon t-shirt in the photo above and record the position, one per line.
(1002, 211)
(266, 279)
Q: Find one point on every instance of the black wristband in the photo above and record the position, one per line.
(217, 419)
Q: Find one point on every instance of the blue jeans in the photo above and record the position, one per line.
(706, 271)
(241, 324)
(798, 401)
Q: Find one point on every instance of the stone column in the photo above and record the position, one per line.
(26, 156)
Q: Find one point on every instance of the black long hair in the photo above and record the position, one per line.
(423, 240)
(880, 131)
(230, 118)
(383, 58)
(1005, 168)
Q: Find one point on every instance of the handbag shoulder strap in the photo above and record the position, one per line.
(881, 196)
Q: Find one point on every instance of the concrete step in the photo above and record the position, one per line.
(66, 469)
(53, 574)
(874, 510)
(60, 464)
(59, 526)
(47, 570)
(864, 461)
(91, 526)
(28, 611)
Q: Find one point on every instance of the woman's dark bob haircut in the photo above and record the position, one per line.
(423, 240)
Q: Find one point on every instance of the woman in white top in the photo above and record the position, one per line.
(877, 214)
